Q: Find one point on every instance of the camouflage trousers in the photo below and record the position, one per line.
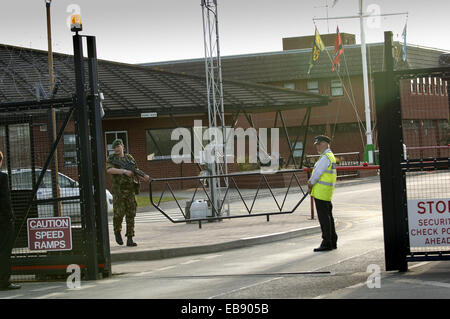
(124, 207)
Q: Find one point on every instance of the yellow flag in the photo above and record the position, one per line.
(318, 47)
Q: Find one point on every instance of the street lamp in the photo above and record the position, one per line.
(75, 23)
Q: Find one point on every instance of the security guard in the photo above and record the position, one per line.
(123, 190)
(321, 187)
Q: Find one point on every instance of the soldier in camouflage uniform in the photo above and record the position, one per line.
(124, 184)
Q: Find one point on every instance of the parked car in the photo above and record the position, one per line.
(21, 180)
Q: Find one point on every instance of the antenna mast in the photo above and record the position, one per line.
(217, 165)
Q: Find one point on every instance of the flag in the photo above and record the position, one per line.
(338, 50)
(318, 46)
(404, 42)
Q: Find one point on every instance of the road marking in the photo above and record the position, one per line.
(245, 287)
(423, 263)
(425, 282)
(110, 281)
(165, 268)
(190, 261)
(147, 273)
(82, 287)
(54, 294)
(11, 297)
(139, 274)
(274, 234)
(46, 288)
(212, 256)
(359, 285)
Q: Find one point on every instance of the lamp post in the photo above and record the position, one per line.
(52, 110)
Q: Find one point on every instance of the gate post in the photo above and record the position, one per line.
(85, 160)
(98, 158)
(393, 183)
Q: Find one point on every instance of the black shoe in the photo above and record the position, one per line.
(323, 247)
(118, 238)
(10, 286)
(130, 242)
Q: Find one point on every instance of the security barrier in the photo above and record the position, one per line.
(414, 162)
(219, 210)
(55, 167)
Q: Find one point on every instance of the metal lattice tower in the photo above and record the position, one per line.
(216, 115)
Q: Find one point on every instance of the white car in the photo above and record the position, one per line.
(21, 180)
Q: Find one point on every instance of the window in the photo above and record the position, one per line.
(70, 149)
(111, 136)
(317, 129)
(413, 87)
(425, 85)
(159, 144)
(347, 127)
(298, 149)
(20, 146)
(410, 124)
(312, 86)
(444, 124)
(336, 88)
(289, 85)
(65, 182)
(428, 124)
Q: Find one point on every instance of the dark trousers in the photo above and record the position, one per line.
(326, 220)
(6, 243)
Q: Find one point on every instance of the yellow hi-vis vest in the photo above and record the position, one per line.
(323, 189)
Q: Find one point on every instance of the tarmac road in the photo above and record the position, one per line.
(282, 269)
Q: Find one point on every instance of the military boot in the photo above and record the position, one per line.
(118, 238)
(130, 242)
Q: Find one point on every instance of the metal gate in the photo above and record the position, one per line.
(413, 133)
(59, 175)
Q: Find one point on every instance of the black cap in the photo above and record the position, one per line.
(321, 138)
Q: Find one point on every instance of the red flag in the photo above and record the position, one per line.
(338, 49)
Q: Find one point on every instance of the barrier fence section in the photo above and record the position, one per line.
(350, 159)
(276, 193)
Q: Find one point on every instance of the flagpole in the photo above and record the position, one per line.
(369, 149)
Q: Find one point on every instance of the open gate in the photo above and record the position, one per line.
(58, 176)
(414, 161)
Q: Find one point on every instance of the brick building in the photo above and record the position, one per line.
(142, 106)
(344, 117)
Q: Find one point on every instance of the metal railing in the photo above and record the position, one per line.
(217, 211)
(342, 159)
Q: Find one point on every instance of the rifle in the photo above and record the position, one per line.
(128, 166)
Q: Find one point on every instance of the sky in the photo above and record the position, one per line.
(139, 31)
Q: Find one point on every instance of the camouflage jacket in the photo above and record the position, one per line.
(122, 185)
